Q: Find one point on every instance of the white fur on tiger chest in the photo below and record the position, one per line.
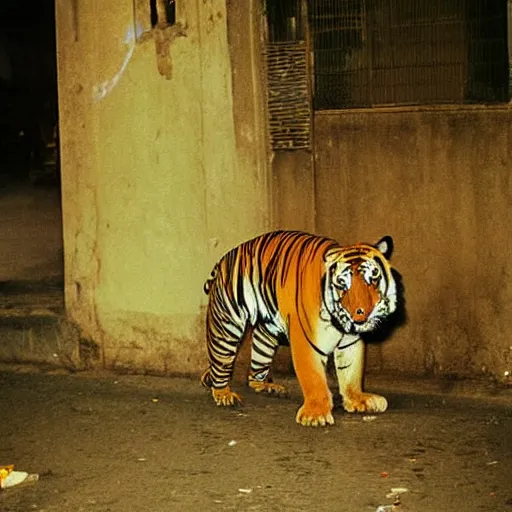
(327, 337)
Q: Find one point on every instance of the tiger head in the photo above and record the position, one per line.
(360, 290)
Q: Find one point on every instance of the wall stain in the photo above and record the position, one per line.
(164, 36)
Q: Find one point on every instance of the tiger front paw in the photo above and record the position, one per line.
(314, 415)
(226, 397)
(364, 402)
(268, 387)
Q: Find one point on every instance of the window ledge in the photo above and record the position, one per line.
(418, 108)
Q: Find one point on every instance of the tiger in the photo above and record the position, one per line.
(308, 291)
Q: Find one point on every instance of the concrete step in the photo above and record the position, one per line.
(33, 325)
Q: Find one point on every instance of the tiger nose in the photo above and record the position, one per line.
(360, 316)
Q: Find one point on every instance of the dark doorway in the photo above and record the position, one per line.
(31, 248)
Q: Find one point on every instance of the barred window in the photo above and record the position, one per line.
(289, 109)
(285, 20)
(400, 52)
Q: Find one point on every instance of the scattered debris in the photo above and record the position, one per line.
(245, 491)
(10, 478)
(232, 442)
(369, 418)
(399, 490)
(384, 474)
(492, 463)
(141, 459)
(395, 494)
(154, 400)
(387, 508)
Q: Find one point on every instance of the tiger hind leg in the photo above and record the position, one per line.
(264, 347)
(223, 339)
(221, 395)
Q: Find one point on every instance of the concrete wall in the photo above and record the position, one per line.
(162, 174)
(293, 190)
(159, 176)
(439, 181)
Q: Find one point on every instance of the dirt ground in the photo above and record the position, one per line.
(106, 442)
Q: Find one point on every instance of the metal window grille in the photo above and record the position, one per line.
(288, 90)
(400, 52)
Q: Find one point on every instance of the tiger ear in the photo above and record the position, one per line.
(385, 246)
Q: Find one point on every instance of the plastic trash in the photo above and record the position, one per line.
(11, 478)
(396, 491)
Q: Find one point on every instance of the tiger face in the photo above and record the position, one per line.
(359, 289)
